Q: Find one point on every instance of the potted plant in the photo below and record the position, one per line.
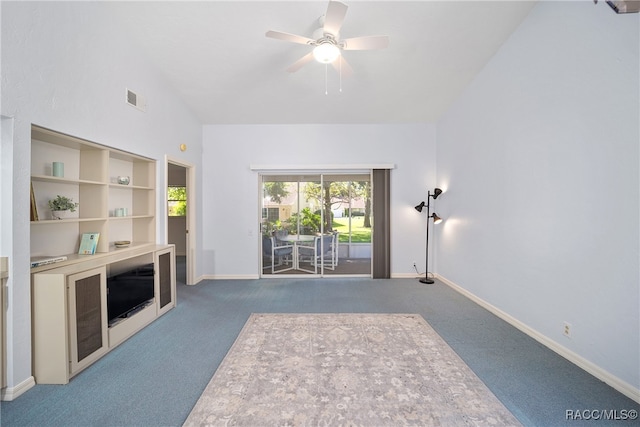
(61, 205)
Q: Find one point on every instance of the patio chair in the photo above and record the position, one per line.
(334, 248)
(279, 254)
(320, 251)
(280, 235)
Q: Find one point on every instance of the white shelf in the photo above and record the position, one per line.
(120, 218)
(67, 220)
(132, 187)
(90, 178)
(62, 180)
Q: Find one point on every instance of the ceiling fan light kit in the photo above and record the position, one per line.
(326, 53)
(327, 46)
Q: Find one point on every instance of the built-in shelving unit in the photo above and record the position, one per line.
(71, 298)
(91, 171)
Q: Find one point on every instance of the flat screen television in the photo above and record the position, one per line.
(128, 291)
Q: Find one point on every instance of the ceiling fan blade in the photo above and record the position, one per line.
(334, 17)
(288, 37)
(342, 66)
(300, 63)
(366, 43)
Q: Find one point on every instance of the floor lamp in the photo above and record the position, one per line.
(436, 219)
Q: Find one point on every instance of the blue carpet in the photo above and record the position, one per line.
(155, 377)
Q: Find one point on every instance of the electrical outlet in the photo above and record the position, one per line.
(567, 330)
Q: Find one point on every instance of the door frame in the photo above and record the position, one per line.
(191, 233)
(321, 173)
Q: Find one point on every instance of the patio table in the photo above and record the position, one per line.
(296, 239)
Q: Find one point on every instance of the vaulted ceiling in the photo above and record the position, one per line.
(217, 58)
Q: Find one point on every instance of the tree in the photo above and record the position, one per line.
(333, 193)
(366, 190)
(276, 190)
(177, 200)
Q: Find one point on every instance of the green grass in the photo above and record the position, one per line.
(359, 234)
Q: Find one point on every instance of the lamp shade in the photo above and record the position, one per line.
(326, 53)
(420, 206)
(436, 193)
(436, 218)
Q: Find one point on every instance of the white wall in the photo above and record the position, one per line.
(6, 184)
(65, 67)
(540, 161)
(231, 194)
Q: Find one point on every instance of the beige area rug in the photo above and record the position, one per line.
(345, 370)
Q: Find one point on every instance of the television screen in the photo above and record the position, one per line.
(129, 290)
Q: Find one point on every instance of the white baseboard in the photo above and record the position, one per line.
(230, 277)
(603, 375)
(257, 276)
(198, 280)
(406, 276)
(11, 393)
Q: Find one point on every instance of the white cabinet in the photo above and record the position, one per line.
(70, 302)
(117, 211)
(69, 322)
(165, 262)
(71, 329)
(87, 316)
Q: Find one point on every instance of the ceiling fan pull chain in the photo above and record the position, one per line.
(326, 91)
(340, 72)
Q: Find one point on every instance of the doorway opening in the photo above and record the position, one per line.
(180, 220)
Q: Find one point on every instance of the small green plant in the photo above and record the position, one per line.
(270, 227)
(309, 221)
(62, 203)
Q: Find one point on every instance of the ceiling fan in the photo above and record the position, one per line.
(326, 42)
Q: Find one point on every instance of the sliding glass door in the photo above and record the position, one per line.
(316, 224)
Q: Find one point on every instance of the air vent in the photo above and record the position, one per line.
(135, 100)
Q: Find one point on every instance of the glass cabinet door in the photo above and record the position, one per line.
(87, 317)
